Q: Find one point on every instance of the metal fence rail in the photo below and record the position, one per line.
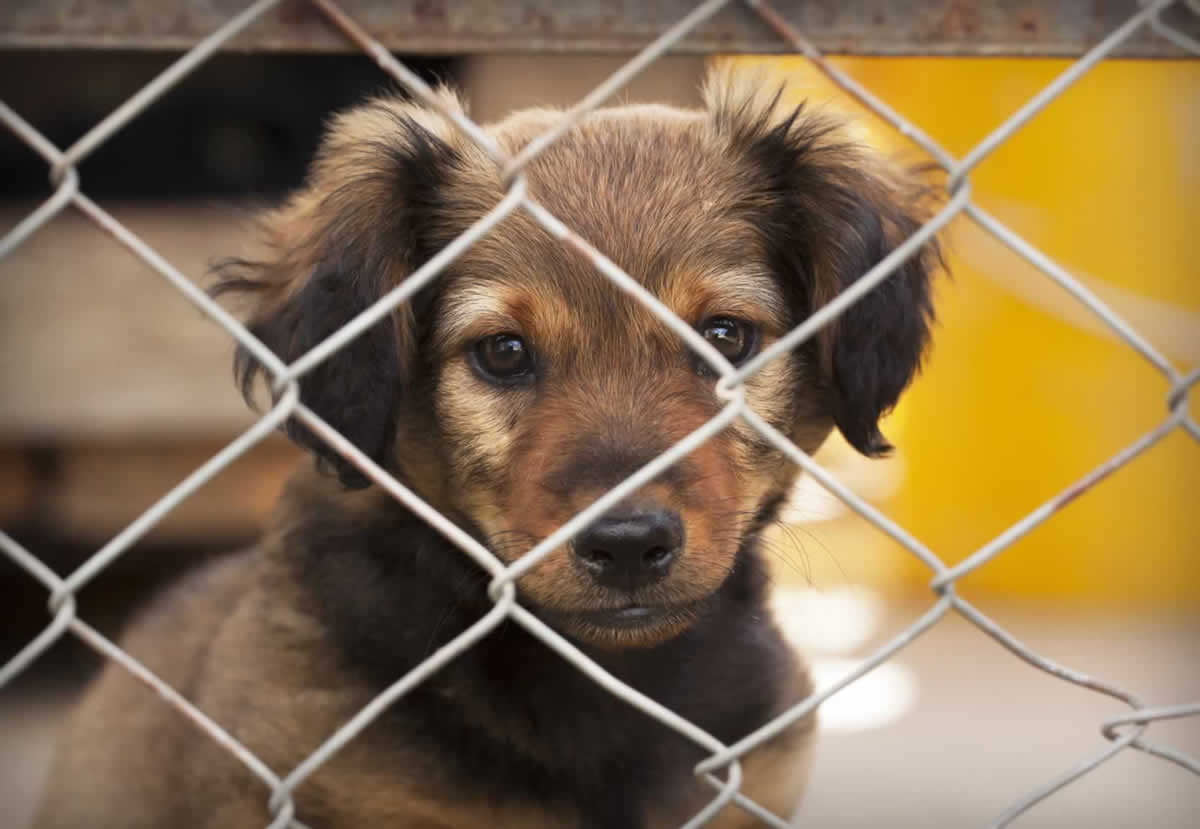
(1062, 28)
(722, 767)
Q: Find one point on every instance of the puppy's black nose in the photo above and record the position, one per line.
(630, 550)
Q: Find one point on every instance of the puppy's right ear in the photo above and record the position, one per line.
(363, 221)
(830, 208)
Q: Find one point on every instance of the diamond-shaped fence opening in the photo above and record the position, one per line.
(721, 768)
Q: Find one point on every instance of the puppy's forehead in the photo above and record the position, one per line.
(646, 185)
(651, 189)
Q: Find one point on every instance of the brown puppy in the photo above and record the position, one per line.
(510, 394)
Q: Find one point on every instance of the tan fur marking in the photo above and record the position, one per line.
(746, 293)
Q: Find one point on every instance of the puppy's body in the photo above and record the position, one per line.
(509, 394)
(508, 735)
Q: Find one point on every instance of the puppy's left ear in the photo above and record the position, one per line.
(829, 209)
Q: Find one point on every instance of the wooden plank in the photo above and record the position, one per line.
(100, 489)
(94, 345)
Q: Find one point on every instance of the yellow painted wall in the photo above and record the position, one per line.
(1025, 391)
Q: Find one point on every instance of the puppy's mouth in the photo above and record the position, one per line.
(632, 617)
(632, 625)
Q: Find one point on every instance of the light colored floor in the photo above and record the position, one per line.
(950, 736)
(984, 729)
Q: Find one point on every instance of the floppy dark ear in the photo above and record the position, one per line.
(357, 228)
(829, 210)
(874, 349)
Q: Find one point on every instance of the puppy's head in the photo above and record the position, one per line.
(521, 384)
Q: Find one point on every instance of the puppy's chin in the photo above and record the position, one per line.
(633, 627)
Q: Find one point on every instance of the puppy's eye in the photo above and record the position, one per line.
(502, 358)
(734, 338)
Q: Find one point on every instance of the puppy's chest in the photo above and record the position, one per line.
(484, 745)
(553, 755)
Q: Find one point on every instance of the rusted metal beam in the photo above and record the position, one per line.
(866, 27)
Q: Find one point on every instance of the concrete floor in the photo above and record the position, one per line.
(985, 729)
(974, 730)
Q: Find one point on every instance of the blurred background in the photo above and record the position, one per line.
(115, 388)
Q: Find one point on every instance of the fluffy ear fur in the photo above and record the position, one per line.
(829, 210)
(360, 224)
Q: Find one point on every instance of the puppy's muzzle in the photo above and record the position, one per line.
(630, 549)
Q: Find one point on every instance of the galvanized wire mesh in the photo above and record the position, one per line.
(721, 768)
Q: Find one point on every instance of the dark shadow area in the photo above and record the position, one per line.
(240, 124)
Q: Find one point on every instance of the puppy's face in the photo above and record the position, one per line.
(523, 385)
(552, 386)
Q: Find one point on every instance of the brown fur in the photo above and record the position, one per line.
(744, 210)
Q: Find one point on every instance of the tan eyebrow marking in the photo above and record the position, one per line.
(748, 292)
(474, 311)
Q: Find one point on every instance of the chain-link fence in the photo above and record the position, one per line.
(721, 768)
